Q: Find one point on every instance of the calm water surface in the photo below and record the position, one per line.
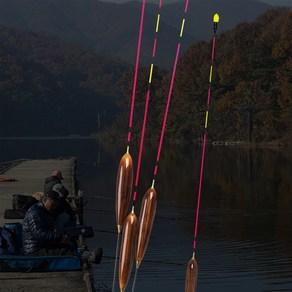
(244, 238)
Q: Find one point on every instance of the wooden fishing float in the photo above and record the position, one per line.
(124, 188)
(146, 219)
(192, 268)
(191, 275)
(125, 176)
(127, 249)
(124, 185)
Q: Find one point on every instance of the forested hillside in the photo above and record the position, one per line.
(48, 87)
(251, 97)
(113, 28)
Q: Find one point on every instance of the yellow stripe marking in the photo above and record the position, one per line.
(150, 75)
(182, 27)
(206, 121)
(157, 22)
(211, 71)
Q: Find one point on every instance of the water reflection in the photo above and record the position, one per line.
(244, 237)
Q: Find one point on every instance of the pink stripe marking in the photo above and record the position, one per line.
(134, 196)
(213, 48)
(154, 48)
(129, 136)
(142, 141)
(200, 186)
(155, 169)
(186, 6)
(209, 95)
(160, 3)
(137, 65)
(168, 102)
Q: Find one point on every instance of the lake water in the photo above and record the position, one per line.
(244, 238)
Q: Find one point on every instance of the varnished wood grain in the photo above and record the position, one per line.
(191, 276)
(146, 218)
(124, 188)
(127, 249)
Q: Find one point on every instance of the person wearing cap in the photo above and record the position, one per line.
(38, 228)
(55, 179)
(64, 214)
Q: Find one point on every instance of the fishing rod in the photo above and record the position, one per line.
(192, 268)
(149, 202)
(131, 223)
(125, 173)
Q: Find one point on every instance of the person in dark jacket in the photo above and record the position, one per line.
(40, 237)
(55, 179)
(38, 229)
(64, 214)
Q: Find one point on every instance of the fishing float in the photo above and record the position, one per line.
(149, 202)
(124, 181)
(131, 226)
(192, 267)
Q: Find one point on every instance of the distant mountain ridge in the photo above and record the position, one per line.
(113, 28)
(49, 87)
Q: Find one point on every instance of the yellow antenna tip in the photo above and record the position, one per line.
(216, 18)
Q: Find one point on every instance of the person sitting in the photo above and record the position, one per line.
(55, 178)
(63, 213)
(38, 229)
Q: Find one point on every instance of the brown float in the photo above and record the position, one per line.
(191, 276)
(127, 249)
(123, 188)
(146, 218)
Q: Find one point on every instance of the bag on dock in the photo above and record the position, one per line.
(22, 202)
(13, 214)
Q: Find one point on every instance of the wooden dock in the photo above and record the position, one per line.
(29, 178)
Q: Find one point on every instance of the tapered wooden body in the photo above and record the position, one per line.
(124, 188)
(146, 218)
(191, 276)
(127, 249)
